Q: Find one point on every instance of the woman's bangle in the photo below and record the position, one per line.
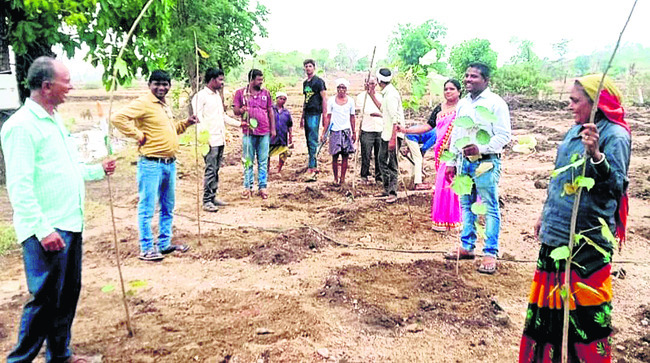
(597, 162)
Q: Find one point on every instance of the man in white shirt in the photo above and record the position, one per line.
(481, 162)
(371, 126)
(208, 107)
(393, 115)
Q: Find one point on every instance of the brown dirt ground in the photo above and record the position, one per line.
(264, 284)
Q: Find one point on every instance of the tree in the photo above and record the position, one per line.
(322, 58)
(345, 57)
(581, 65)
(407, 49)
(409, 42)
(225, 30)
(34, 27)
(475, 50)
(524, 74)
(362, 64)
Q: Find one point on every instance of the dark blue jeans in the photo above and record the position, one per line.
(54, 282)
(312, 124)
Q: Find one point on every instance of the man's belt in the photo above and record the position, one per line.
(489, 157)
(168, 160)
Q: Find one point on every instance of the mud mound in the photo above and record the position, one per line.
(389, 295)
(230, 324)
(288, 247)
(308, 195)
(349, 215)
(527, 104)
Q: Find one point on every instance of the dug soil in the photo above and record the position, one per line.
(321, 272)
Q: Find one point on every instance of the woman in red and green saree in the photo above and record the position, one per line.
(606, 144)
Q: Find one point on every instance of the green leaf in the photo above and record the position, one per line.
(203, 53)
(464, 122)
(561, 170)
(602, 251)
(462, 184)
(588, 288)
(483, 137)
(606, 232)
(462, 142)
(447, 156)
(122, 69)
(560, 253)
(563, 292)
(135, 284)
(253, 123)
(479, 208)
(584, 182)
(485, 114)
(575, 157)
(108, 288)
(480, 231)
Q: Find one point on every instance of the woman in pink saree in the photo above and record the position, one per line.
(445, 205)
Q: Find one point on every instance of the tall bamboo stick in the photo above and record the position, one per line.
(566, 299)
(129, 326)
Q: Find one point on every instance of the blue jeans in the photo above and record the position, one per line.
(54, 282)
(256, 147)
(312, 124)
(426, 140)
(487, 187)
(156, 184)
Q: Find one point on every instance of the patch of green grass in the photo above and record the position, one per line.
(7, 238)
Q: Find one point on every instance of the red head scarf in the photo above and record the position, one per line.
(609, 103)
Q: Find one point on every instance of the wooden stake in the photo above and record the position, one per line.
(363, 110)
(129, 327)
(566, 299)
(196, 148)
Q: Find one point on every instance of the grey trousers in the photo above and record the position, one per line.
(211, 176)
(389, 168)
(370, 143)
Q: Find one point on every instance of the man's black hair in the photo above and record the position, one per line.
(254, 73)
(482, 67)
(160, 76)
(212, 73)
(309, 61)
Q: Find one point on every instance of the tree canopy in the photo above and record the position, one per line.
(474, 50)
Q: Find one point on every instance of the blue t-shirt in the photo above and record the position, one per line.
(283, 123)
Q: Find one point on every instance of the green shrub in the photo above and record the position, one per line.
(521, 79)
(7, 238)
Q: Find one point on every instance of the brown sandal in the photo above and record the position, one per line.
(488, 265)
(264, 194)
(246, 193)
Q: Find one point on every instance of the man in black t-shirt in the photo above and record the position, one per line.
(315, 105)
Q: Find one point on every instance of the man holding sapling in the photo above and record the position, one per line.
(481, 130)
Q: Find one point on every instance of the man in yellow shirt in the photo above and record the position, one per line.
(149, 120)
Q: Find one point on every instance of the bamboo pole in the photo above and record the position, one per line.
(196, 148)
(363, 110)
(566, 299)
(129, 326)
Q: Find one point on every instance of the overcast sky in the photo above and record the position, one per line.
(361, 24)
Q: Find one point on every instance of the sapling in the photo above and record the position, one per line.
(120, 65)
(577, 185)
